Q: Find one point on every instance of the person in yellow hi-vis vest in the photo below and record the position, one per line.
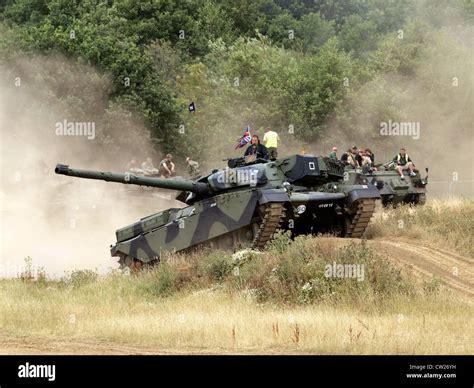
(403, 162)
(271, 139)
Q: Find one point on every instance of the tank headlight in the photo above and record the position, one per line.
(288, 187)
(301, 209)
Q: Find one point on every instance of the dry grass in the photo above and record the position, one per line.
(444, 223)
(277, 303)
(215, 322)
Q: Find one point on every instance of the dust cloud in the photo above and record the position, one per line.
(64, 223)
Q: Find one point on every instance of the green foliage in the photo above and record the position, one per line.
(296, 272)
(216, 267)
(279, 242)
(263, 63)
(79, 278)
(432, 286)
(315, 31)
(317, 89)
(358, 36)
(250, 15)
(162, 281)
(103, 37)
(255, 82)
(282, 29)
(289, 273)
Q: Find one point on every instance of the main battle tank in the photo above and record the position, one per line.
(394, 190)
(243, 205)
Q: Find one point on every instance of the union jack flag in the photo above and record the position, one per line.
(247, 138)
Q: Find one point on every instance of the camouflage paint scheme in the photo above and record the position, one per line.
(244, 205)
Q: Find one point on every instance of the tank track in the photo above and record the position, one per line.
(274, 213)
(360, 220)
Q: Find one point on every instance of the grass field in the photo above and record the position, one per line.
(445, 223)
(278, 301)
(215, 322)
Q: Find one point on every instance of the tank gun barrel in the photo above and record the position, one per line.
(129, 178)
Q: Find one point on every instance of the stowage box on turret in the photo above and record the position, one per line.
(244, 205)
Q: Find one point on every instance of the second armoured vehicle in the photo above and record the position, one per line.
(243, 205)
(394, 190)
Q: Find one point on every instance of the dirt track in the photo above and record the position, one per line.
(44, 346)
(456, 271)
(61, 347)
(58, 347)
